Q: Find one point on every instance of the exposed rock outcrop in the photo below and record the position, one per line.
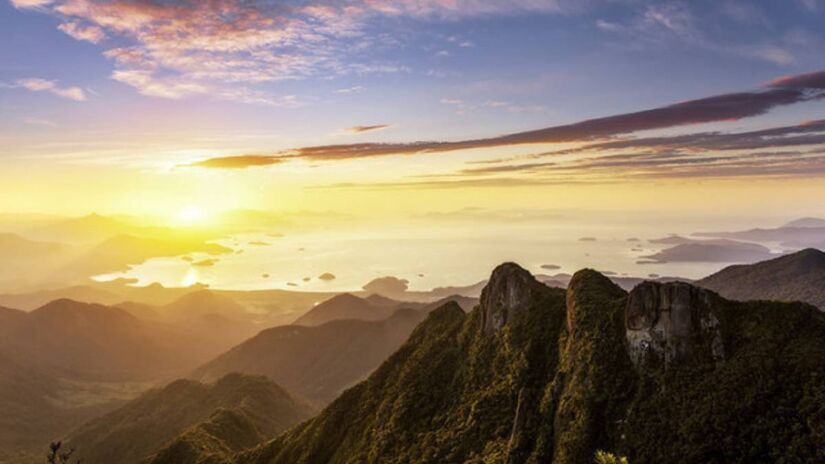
(666, 322)
(510, 289)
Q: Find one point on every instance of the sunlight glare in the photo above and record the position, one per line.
(190, 215)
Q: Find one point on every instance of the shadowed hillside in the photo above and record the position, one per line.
(317, 362)
(798, 276)
(96, 342)
(187, 417)
(36, 407)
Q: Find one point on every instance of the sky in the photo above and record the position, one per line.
(403, 107)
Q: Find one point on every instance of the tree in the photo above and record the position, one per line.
(603, 457)
(56, 457)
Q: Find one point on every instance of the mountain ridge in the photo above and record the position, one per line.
(552, 378)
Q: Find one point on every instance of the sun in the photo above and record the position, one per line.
(190, 215)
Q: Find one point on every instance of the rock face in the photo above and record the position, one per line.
(667, 322)
(510, 289)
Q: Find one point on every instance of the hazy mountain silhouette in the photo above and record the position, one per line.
(710, 251)
(96, 342)
(668, 373)
(349, 306)
(319, 362)
(806, 222)
(35, 408)
(316, 363)
(118, 252)
(187, 417)
(802, 233)
(797, 276)
(86, 229)
(9, 318)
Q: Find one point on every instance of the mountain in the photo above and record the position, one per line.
(667, 373)
(119, 252)
(37, 407)
(348, 306)
(710, 251)
(85, 229)
(96, 342)
(13, 247)
(807, 233)
(318, 362)
(26, 417)
(188, 417)
(201, 302)
(806, 222)
(797, 276)
(9, 318)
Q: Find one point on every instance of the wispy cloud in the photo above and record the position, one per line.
(34, 121)
(225, 48)
(667, 24)
(44, 85)
(362, 129)
(782, 91)
(350, 90)
(21, 4)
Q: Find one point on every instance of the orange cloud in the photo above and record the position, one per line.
(718, 108)
(236, 162)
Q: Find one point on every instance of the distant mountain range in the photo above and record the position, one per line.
(348, 306)
(669, 372)
(372, 308)
(104, 343)
(801, 233)
(186, 417)
(798, 276)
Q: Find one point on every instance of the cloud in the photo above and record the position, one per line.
(236, 162)
(91, 34)
(664, 25)
(21, 4)
(810, 5)
(350, 90)
(783, 91)
(770, 53)
(224, 48)
(43, 85)
(34, 121)
(147, 84)
(805, 133)
(362, 129)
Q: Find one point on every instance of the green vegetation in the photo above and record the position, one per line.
(603, 457)
(555, 384)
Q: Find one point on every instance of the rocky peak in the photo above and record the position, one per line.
(669, 321)
(510, 289)
(587, 293)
